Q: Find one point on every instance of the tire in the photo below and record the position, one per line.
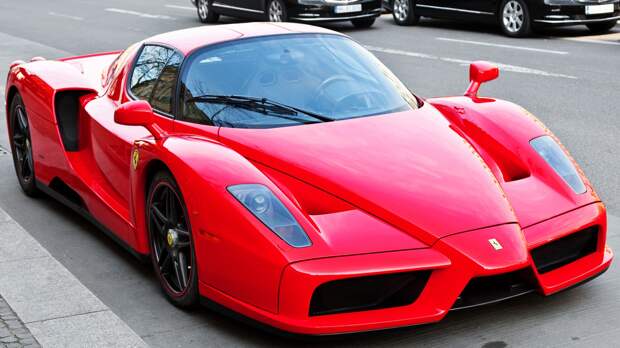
(403, 12)
(601, 27)
(514, 18)
(21, 146)
(171, 242)
(205, 11)
(276, 11)
(363, 22)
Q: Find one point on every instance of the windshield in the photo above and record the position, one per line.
(328, 76)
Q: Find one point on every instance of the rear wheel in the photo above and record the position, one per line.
(205, 12)
(172, 246)
(515, 18)
(276, 11)
(403, 12)
(363, 22)
(21, 146)
(601, 27)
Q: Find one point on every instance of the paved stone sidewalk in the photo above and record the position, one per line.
(13, 333)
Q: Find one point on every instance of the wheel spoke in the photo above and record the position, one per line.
(182, 264)
(160, 219)
(21, 119)
(177, 275)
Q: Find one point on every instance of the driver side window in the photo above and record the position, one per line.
(154, 76)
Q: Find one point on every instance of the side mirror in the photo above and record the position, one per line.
(138, 113)
(479, 73)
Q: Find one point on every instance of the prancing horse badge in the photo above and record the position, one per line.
(495, 244)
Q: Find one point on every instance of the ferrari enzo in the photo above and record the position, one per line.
(283, 173)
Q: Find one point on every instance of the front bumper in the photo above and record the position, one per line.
(454, 262)
(326, 12)
(559, 14)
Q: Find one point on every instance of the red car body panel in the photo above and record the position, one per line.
(423, 190)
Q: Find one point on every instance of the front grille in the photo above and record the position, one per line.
(490, 289)
(565, 250)
(366, 293)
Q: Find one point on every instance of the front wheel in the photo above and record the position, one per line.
(205, 12)
(515, 18)
(403, 12)
(601, 27)
(21, 146)
(276, 11)
(172, 246)
(363, 22)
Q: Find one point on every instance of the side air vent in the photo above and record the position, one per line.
(67, 193)
(491, 289)
(565, 250)
(366, 293)
(66, 108)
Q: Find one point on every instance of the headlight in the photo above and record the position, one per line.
(553, 154)
(261, 202)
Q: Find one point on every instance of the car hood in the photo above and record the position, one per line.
(410, 169)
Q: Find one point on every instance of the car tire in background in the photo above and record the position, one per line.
(601, 27)
(363, 22)
(403, 12)
(276, 11)
(514, 18)
(205, 12)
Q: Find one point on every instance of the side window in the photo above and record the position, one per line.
(154, 76)
(161, 99)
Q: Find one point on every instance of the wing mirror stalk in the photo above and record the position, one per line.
(479, 73)
(138, 113)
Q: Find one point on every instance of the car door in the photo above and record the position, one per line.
(245, 8)
(457, 8)
(151, 78)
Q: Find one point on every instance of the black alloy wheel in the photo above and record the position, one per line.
(172, 249)
(21, 146)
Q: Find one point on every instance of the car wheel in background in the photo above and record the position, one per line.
(276, 11)
(403, 12)
(363, 22)
(205, 12)
(601, 27)
(171, 242)
(514, 18)
(21, 146)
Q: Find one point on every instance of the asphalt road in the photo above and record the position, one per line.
(571, 82)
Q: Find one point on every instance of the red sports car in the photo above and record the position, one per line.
(282, 172)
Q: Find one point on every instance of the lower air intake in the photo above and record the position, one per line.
(565, 250)
(366, 293)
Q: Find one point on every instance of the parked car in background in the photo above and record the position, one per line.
(362, 13)
(517, 18)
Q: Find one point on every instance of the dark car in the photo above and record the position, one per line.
(517, 18)
(362, 13)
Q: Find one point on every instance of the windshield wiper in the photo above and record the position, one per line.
(262, 105)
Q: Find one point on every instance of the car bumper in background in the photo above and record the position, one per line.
(570, 14)
(327, 12)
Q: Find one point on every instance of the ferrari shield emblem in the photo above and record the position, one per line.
(135, 157)
(495, 244)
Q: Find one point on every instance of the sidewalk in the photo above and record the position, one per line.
(43, 304)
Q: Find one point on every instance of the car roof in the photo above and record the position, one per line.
(187, 40)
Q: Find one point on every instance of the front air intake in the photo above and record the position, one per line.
(565, 250)
(366, 293)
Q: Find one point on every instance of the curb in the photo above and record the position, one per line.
(55, 306)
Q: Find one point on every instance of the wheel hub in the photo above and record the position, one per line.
(171, 238)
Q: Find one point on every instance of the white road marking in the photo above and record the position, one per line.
(139, 14)
(503, 67)
(62, 15)
(523, 48)
(181, 7)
